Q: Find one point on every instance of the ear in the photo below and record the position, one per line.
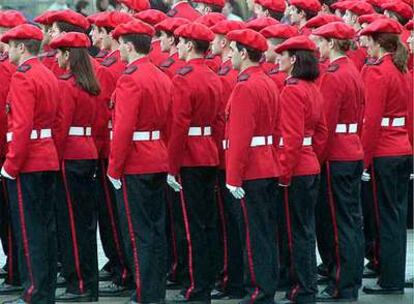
(66, 55)
(293, 59)
(266, 13)
(190, 46)
(223, 42)
(243, 54)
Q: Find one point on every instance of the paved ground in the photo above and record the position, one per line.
(407, 298)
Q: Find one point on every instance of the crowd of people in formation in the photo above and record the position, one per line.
(214, 154)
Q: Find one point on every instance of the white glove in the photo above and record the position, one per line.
(172, 182)
(115, 182)
(5, 174)
(411, 176)
(237, 192)
(366, 177)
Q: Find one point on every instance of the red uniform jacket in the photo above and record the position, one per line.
(278, 77)
(171, 65)
(214, 62)
(31, 106)
(267, 66)
(387, 95)
(343, 93)
(253, 110)
(196, 97)
(358, 57)
(410, 106)
(76, 109)
(48, 57)
(301, 117)
(7, 69)
(142, 98)
(183, 9)
(156, 55)
(108, 73)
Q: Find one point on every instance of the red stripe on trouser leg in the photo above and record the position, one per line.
(133, 242)
(173, 237)
(332, 208)
(73, 230)
(225, 241)
(189, 243)
(10, 260)
(249, 251)
(377, 217)
(114, 229)
(28, 296)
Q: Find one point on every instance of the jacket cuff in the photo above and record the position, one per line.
(111, 172)
(285, 180)
(9, 170)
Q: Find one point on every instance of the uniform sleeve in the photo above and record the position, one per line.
(292, 129)
(320, 137)
(128, 99)
(241, 128)
(22, 94)
(180, 120)
(5, 77)
(375, 94)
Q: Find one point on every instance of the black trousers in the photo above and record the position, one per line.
(142, 215)
(259, 235)
(34, 226)
(109, 229)
(390, 181)
(370, 229)
(200, 222)
(300, 201)
(341, 187)
(78, 215)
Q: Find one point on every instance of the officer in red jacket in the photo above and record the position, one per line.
(339, 215)
(134, 6)
(182, 9)
(77, 152)
(231, 274)
(193, 156)
(48, 56)
(387, 150)
(303, 137)
(32, 163)
(251, 162)
(270, 8)
(301, 11)
(138, 161)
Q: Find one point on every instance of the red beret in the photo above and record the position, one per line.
(196, 31)
(322, 19)
(296, 43)
(135, 27)
(309, 5)
(171, 24)
(24, 31)
(360, 8)
(250, 38)
(274, 5)
(260, 23)
(11, 18)
(137, 5)
(70, 40)
(112, 19)
(279, 31)
(341, 5)
(210, 19)
(70, 17)
(385, 25)
(409, 25)
(399, 7)
(336, 30)
(409, 2)
(219, 3)
(225, 26)
(377, 3)
(92, 18)
(44, 18)
(151, 16)
(369, 18)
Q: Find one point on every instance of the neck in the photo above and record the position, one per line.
(302, 23)
(135, 56)
(357, 26)
(192, 55)
(333, 55)
(225, 54)
(114, 45)
(173, 50)
(25, 57)
(382, 53)
(247, 64)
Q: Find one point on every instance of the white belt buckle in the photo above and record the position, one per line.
(281, 142)
(340, 128)
(385, 122)
(88, 131)
(110, 124)
(398, 122)
(111, 135)
(353, 128)
(155, 135)
(225, 144)
(9, 136)
(307, 141)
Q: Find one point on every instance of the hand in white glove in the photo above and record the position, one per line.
(172, 182)
(237, 192)
(411, 176)
(366, 177)
(5, 174)
(115, 182)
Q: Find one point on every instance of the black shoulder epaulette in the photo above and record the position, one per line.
(107, 62)
(101, 54)
(243, 77)
(333, 67)
(291, 81)
(24, 68)
(224, 71)
(167, 62)
(185, 70)
(274, 71)
(131, 69)
(210, 56)
(373, 61)
(66, 76)
(172, 12)
(4, 57)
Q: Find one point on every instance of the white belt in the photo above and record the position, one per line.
(80, 131)
(346, 128)
(307, 141)
(393, 122)
(35, 134)
(110, 124)
(199, 131)
(257, 141)
(142, 135)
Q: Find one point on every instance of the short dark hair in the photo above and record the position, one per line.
(306, 66)
(328, 3)
(378, 9)
(254, 55)
(342, 45)
(277, 41)
(171, 34)
(67, 27)
(215, 8)
(106, 28)
(141, 43)
(308, 14)
(31, 45)
(400, 18)
(275, 15)
(200, 46)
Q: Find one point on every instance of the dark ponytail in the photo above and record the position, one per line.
(391, 43)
